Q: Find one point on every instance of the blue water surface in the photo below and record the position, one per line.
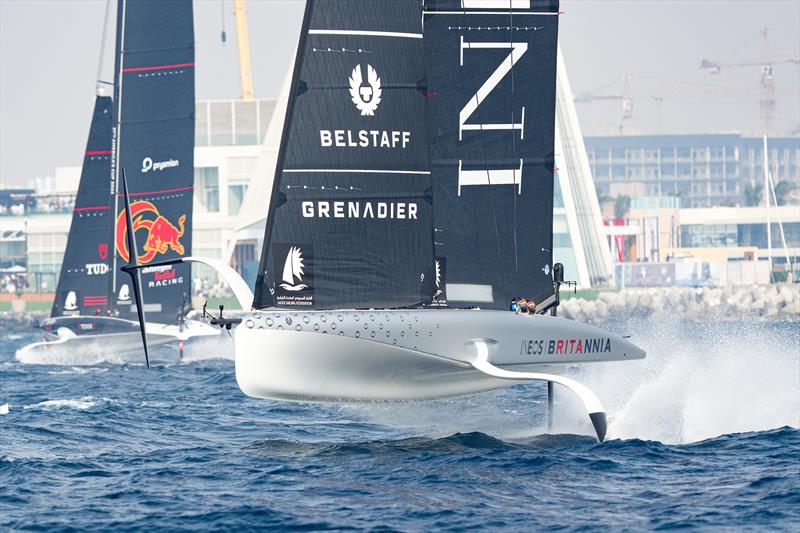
(179, 447)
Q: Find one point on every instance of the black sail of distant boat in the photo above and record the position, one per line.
(154, 143)
(85, 280)
(491, 93)
(350, 220)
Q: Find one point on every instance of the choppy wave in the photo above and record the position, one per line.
(704, 434)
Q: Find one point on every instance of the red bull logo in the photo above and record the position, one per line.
(162, 235)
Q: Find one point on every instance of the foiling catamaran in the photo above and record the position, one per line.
(148, 128)
(412, 203)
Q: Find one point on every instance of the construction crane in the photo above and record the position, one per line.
(766, 62)
(625, 97)
(243, 41)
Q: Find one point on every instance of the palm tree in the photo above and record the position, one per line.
(621, 206)
(783, 191)
(753, 194)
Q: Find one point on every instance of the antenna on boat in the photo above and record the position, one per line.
(132, 267)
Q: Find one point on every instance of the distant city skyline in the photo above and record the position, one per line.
(49, 54)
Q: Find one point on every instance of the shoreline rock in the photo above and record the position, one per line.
(758, 302)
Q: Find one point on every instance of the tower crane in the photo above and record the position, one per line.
(766, 62)
(625, 97)
(243, 42)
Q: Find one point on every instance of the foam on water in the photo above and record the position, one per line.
(89, 354)
(698, 381)
(81, 404)
(211, 347)
(701, 381)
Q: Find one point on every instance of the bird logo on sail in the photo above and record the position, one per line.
(366, 97)
(71, 301)
(293, 268)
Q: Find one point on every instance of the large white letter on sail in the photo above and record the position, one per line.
(491, 176)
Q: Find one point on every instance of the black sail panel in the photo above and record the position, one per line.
(491, 72)
(155, 147)
(350, 222)
(85, 279)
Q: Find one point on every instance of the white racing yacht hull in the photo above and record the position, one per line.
(350, 356)
(76, 335)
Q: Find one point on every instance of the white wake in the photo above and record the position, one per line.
(701, 381)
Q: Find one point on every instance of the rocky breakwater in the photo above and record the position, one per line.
(759, 302)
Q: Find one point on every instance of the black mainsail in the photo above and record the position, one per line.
(491, 68)
(350, 221)
(385, 118)
(85, 280)
(154, 143)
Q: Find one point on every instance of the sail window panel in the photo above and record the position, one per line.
(470, 292)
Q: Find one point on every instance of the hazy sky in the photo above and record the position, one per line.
(49, 53)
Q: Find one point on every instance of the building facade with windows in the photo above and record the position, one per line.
(704, 170)
(34, 223)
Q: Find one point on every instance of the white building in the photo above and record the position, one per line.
(227, 147)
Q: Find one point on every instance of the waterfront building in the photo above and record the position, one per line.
(34, 222)
(704, 170)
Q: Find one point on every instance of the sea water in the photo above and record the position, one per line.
(704, 432)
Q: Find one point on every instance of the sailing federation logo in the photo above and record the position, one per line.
(294, 263)
(162, 235)
(293, 268)
(124, 294)
(366, 97)
(71, 301)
